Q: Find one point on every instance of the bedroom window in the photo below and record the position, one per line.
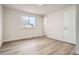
(28, 22)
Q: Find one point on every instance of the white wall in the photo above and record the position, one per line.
(1, 24)
(45, 25)
(12, 28)
(55, 24)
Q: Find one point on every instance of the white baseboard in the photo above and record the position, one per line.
(22, 38)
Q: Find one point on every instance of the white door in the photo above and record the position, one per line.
(70, 26)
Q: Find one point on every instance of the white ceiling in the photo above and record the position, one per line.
(36, 8)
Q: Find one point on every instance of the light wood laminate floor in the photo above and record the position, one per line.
(37, 46)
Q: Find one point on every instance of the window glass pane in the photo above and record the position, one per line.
(32, 21)
(28, 22)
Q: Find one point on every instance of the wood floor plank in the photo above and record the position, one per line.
(37, 46)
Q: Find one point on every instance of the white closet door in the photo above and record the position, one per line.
(69, 26)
